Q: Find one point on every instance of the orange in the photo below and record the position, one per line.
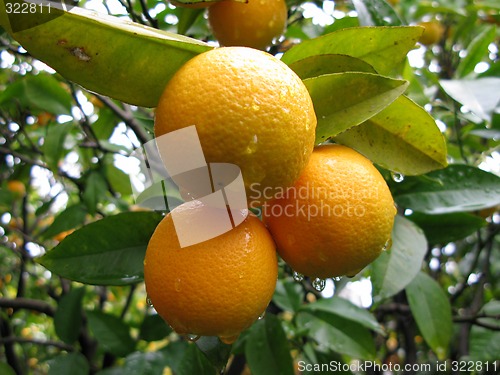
(255, 23)
(433, 33)
(17, 188)
(249, 109)
(336, 219)
(215, 288)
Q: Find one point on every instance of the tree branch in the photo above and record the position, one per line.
(28, 304)
(25, 340)
(127, 118)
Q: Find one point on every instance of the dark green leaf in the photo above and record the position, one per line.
(154, 328)
(111, 333)
(454, 189)
(395, 268)
(267, 349)
(347, 310)
(431, 309)
(53, 146)
(288, 294)
(381, 47)
(402, 138)
(316, 362)
(484, 342)
(476, 50)
(445, 228)
(339, 334)
(344, 100)
(95, 191)
(317, 65)
(105, 125)
(74, 361)
(107, 252)
(376, 13)
(70, 218)
(41, 92)
(215, 351)
(118, 179)
(194, 362)
(68, 316)
(149, 363)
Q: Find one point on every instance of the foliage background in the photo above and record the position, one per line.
(432, 297)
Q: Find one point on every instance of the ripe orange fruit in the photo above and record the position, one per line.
(214, 288)
(17, 188)
(433, 32)
(252, 24)
(336, 219)
(249, 109)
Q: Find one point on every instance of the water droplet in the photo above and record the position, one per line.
(191, 337)
(298, 276)
(261, 316)
(387, 245)
(397, 177)
(177, 285)
(149, 302)
(229, 339)
(336, 278)
(252, 145)
(319, 284)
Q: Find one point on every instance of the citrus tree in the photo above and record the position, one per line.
(408, 86)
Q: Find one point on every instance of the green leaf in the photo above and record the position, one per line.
(111, 332)
(187, 17)
(431, 309)
(457, 188)
(215, 351)
(42, 92)
(267, 350)
(104, 127)
(106, 252)
(68, 316)
(485, 342)
(148, 363)
(288, 294)
(113, 57)
(95, 191)
(344, 100)
(317, 65)
(72, 217)
(445, 228)
(395, 268)
(118, 179)
(481, 95)
(381, 47)
(476, 50)
(346, 310)
(5, 369)
(194, 362)
(154, 328)
(53, 146)
(339, 334)
(376, 13)
(402, 138)
(74, 361)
